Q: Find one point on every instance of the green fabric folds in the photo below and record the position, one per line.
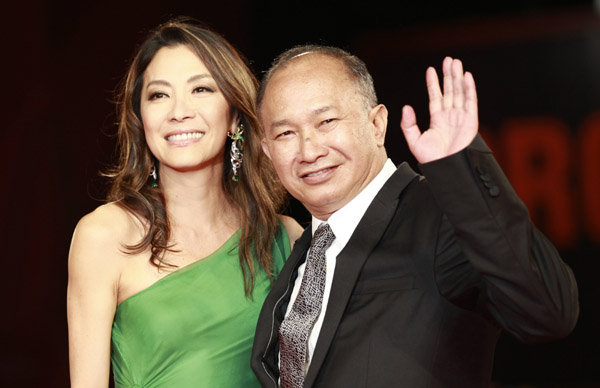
(194, 327)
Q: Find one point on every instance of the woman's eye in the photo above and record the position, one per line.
(202, 89)
(156, 95)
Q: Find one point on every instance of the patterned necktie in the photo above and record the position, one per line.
(295, 328)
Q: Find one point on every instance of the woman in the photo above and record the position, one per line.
(167, 279)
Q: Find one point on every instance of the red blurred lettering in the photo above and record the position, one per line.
(537, 161)
(589, 165)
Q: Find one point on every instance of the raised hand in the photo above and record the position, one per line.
(453, 122)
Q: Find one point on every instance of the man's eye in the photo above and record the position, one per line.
(328, 121)
(283, 134)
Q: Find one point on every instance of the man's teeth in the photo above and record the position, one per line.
(318, 172)
(185, 136)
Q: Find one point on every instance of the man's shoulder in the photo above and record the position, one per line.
(403, 177)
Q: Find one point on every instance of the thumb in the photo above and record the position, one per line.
(408, 123)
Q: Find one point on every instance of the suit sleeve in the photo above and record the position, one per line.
(489, 255)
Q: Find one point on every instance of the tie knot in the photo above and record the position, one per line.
(323, 237)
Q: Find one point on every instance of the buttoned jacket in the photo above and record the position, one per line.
(436, 268)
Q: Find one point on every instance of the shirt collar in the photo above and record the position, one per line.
(344, 221)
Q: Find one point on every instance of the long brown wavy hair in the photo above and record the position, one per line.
(258, 194)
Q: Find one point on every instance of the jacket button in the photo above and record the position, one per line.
(494, 191)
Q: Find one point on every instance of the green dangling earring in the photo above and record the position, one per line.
(237, 149)
(154, 176)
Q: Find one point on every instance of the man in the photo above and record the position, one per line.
(415, 276)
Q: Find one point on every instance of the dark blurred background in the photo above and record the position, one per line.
(537, 68)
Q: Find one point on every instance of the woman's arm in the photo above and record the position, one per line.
(94, 268)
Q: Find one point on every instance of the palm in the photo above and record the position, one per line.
(453, 115)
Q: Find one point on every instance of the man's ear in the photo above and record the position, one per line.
(265, 148)
(378, 116)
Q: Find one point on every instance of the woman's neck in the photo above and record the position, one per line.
(196, 198)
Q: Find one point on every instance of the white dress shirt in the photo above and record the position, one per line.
(342, 223)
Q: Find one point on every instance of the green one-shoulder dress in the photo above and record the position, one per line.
(194, 327)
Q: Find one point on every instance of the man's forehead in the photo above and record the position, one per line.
(312, 69)
(311, 84)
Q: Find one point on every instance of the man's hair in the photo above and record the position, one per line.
(356, 68)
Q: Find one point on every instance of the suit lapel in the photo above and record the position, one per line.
(352, 258)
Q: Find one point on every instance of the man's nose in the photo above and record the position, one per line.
(312, 147)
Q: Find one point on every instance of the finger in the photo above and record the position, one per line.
(408, 123)
(433, 89)
(448, 87)
(457, 83)
(470, 93)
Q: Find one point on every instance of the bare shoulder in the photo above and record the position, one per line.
(99, 237)
(292, 227)
(107, 223)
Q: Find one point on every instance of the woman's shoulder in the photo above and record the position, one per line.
(97, 255)
(108, 226)
(110, 220)
(292, 227)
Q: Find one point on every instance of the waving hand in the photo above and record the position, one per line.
(453, 121)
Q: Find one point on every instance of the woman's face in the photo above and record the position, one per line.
(186, 117)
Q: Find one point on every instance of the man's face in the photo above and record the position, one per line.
(325, 143)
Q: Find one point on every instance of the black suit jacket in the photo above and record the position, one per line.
(434, 270)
